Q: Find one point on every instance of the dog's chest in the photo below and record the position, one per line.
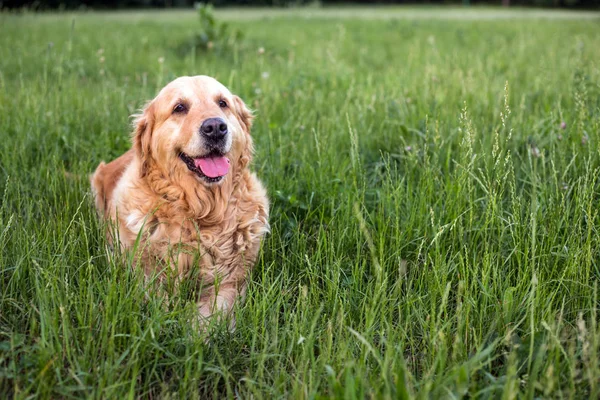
(185, 244)
(214, 236)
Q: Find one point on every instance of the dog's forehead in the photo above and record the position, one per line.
(193, 87)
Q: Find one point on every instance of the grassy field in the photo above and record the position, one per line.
(435, 207)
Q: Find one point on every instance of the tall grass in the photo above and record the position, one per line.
(434, 187)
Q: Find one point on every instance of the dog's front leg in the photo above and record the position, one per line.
(218, 301)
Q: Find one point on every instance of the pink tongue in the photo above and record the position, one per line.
(213, 167)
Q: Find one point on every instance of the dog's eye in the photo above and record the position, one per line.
(222, 104)
(179, 108)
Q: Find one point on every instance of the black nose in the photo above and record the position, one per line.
(214, 129)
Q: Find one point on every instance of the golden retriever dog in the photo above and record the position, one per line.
(183, 193)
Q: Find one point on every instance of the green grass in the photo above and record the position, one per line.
(435, 231)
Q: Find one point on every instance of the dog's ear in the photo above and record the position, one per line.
(142, 134)
(243, 113)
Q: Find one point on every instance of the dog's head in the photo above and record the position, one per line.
(194, 126)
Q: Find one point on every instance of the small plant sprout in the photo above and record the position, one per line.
(213, 35)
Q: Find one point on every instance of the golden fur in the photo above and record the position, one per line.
(183, 220)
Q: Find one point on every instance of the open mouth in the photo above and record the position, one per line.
(212, 167)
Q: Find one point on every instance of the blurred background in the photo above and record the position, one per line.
(114, 4)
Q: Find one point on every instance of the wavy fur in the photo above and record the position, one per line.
(182, 220)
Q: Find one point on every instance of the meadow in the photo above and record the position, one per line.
(434, 186)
